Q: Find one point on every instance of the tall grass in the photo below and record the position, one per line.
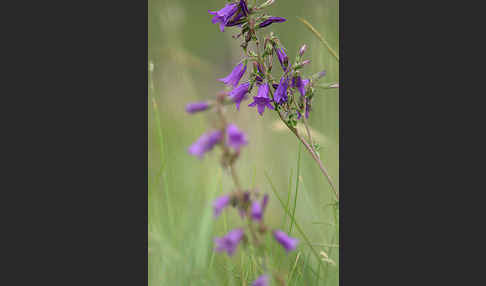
(188, 55)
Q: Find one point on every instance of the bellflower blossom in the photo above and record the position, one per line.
(280, 95)
(220, 203)
(289, 243)
(236, 138)
(261, 100)
(300, 84)
(235, 76)
(205, 143)
(229, 242)
(238, 93)
(282, 57)
(261, 281)
(258, 208)
(197, 106)
(271, 20)
(224, 15)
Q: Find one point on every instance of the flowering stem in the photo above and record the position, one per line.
(234, 174)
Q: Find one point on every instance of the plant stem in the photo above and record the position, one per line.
(314, 156)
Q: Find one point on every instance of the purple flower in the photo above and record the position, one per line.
(235, 76)
(229, 242)
(271, 20)
(257, 208)
(224, 15)
(220, 203)
(205, 143)
(261, 281)
(300, 84)
(236, 138)
(243, 6)
(238, 93)
(261, 99)
(282, 58)
(197, 106)
(280, 95)
(289, 243)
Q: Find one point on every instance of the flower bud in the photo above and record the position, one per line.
(302, 49)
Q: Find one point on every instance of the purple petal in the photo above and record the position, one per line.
(229, 242)
(236, 138)
(271, 20)
(289, 243)
(261, 281)
(197, 107)
(220, 203)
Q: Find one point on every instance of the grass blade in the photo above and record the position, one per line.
(320, 37)
(297, 180)
(297, 226)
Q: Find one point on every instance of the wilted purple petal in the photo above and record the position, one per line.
(205, 143)
(229, 242)
(280, 95)
(261, 281)
(271, 20)
(220, 203)
(236, 138)
(197, 106)
(289, 243)
(239, 93)
(235, 76)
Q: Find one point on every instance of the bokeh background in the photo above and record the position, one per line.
(187, 54)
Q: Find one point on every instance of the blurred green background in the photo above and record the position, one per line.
(187, 54)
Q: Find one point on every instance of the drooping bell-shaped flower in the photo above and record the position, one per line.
(220, 203)
(236, 138)
(261, 281)
(224, 15)
(300, 84)
(280, 95)
(258, 208)
(235, 76)
(262, 100)
(271, 20)
(289, 243)
(197, 107)
(238, 93)
(282, 57)
(229, 242)
(205, 143)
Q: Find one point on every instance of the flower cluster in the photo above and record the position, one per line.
(282, 98)
(290, 95)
